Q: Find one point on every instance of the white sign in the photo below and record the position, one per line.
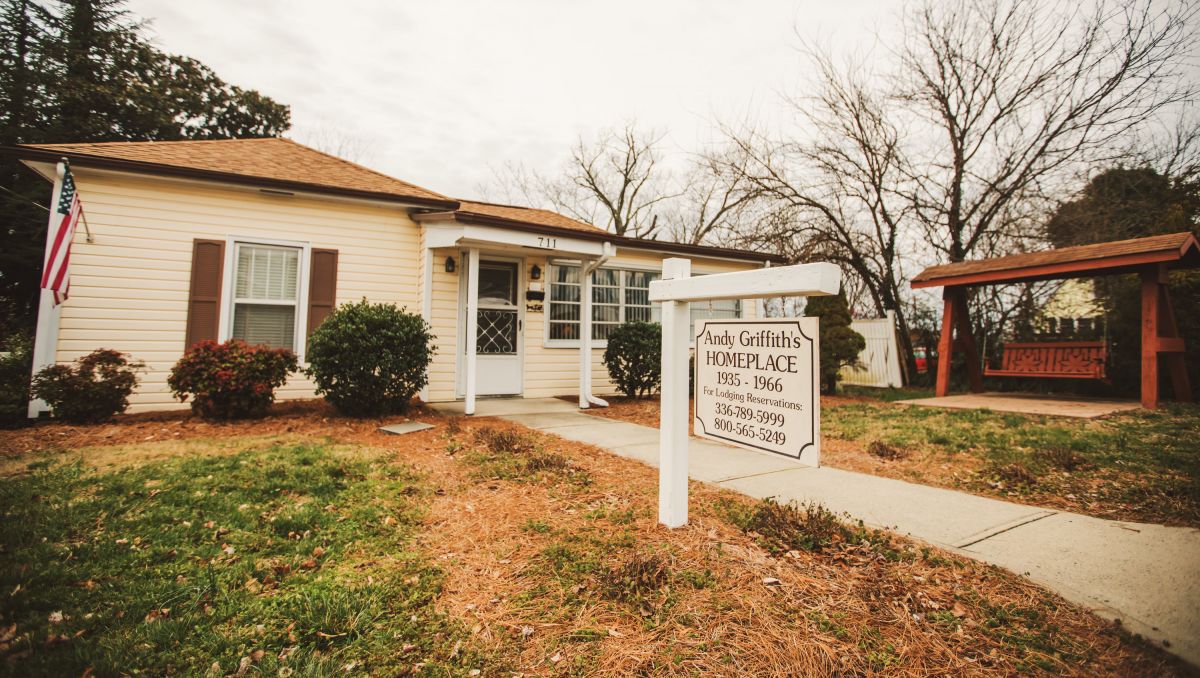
(756, 385)
(675, 291)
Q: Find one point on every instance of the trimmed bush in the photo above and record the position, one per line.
(16, 361)
(94, 389)
(634, 358)
(233, 380)
(840, 344)
(369, 360)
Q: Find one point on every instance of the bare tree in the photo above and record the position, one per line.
(335, 141)
(717, 201)
(615, 182)
(992, 106)
(1021, 93)
(837, 197)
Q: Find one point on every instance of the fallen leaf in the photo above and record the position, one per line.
(318, 552)
(771, 581)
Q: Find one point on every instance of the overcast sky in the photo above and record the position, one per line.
(439, 93)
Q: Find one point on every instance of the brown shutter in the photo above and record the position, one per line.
(204, 295)
(322, 287)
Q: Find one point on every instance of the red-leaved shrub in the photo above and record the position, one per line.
(230, 380)
(94, 389)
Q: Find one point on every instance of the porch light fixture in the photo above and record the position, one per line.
(535, 273)
(449, 264)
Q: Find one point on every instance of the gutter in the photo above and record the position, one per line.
(139, 167)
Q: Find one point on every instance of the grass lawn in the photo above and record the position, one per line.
(305, 544)
(1141, 466)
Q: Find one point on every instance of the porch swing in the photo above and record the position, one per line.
(1151, 258)
(1054, 359)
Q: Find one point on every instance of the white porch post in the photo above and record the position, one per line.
(673, 403)
(427, 304)
(585, 333)
(471, 327)
(45, 340)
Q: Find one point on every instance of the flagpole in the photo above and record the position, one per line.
(45, 341)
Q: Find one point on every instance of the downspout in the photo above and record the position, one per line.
(586, 268)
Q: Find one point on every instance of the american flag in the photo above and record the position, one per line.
(56, 276)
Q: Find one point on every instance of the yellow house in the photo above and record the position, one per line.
(259, 239)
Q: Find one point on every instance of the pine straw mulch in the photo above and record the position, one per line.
(567, 570)
(554, 561)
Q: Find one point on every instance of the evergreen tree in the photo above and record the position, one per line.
(83, 70)
(1123, 203)
(840, 345)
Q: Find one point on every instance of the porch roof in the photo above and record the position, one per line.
(1175, 250)
(545, 222)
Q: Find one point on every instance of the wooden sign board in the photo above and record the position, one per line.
(756, 385)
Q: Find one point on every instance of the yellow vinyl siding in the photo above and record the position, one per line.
(129, 288)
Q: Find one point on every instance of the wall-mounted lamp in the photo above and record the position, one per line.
(449, 264)
(535, 273)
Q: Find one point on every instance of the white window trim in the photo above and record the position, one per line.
(225, 326)
(547, 342)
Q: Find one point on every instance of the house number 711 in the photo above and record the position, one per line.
(547, 243)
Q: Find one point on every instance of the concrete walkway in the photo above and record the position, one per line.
(1148, 576)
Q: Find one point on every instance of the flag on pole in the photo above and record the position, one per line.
(56, 276)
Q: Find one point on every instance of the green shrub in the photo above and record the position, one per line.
(232, 380)
(634, 358)
(369, 360)
(16, 361)
(94, 389)
(840, 344)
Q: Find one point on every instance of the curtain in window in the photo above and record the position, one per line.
(265, 293)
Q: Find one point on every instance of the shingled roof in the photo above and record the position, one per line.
(271, 162)
(282, 164)
(1176, 250)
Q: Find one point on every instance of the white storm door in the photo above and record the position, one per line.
(499, 325)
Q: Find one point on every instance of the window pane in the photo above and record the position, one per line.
(610, 314)
(265, 324)
(637, 314)
(564, 274)
(637, 297)
(601, 331)
(498, 283)
(605, 276)
(266, 272)
(640, 279)
(564, 293)
(606, 295)
(564, 311)
(566, 331)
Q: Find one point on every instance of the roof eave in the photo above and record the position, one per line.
(101, 162)
(597, 235)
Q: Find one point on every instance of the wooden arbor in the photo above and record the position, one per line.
(1151, 258)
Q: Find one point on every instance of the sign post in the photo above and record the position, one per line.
(785, 435)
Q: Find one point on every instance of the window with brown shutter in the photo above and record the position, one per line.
(322, 286)
(204, 292)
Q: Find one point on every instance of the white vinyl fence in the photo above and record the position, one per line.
(879, 363)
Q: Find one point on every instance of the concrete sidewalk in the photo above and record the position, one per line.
(1145, 575)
